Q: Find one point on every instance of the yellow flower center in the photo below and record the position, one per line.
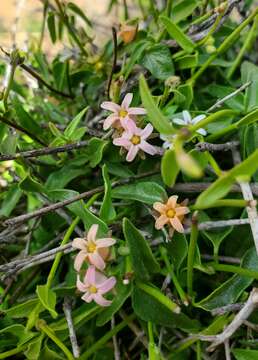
(171, 213)
(136, 140)
(93, 289)
(123, 113)
(91, 247)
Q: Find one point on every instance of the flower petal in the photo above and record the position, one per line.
(145, 133)
(179, 121)
(129, 125)
(182, 210)
(127, 101)
(110, 120)
(198, 118)
(172, 201)
(80, 285)
(175, 222)
(105, 242)
(96, 260)
(90, 276)
(202, 132)
(158, 206)
(100, 300)
(187, 117)
(88, 297)
(161, 221)
(107, 285)
(148, 148)
(92, 233)
(122, 142)
(79, 260)
(132, 153)
(137, 111)
(111, 106)
(79, 243)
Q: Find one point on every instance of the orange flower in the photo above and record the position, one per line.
(127, 33)
(171, 213)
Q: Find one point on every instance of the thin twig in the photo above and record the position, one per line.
(68, 315)
(205, 146)
(227, 350)
(250, 305)
(229, 96)
(247, 195)
(227, 308)
(225, 259)
(44, 151)
(58, 205)
(115, 343)
(114, 61)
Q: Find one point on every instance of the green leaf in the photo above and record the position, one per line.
(184, 96)
(143, 261)
(187, 61)
(169, 168)
(74, 123)
(157, 59)
(19, 331)
(245, 354)
(51, 26)
(122, 293)
(73, 7)
(9, 144)
(177, 249)
(223, 185)
(177, 34)
(158, 120)
(31, 185)
(147, 192)
(107, 210)
(135, 57)
(47, 298)
(249, 72)
(11, 199)
(181, 10)
(21, 310)
(34, 347)
(148, 308)
(60, 178)
(94, 151)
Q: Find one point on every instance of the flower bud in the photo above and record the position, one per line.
(127, 33)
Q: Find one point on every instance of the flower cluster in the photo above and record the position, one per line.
(132, 138)
(95, 252)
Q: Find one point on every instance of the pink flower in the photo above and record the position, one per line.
(95, 285)
(92, 249)
(133, 140)
(121, 113)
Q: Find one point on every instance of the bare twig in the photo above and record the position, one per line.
(218, 224)
(247, 195)
(239, 319)
(115, 343)
(68, 315)
(229, 96)
(227, 308)
(44, 151)
(114, 60)
(205, 146)
(225, 259)
(58, 205)
(140, 336)
(227, 350)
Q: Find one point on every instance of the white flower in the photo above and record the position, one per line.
(168, 141)
(187, 120)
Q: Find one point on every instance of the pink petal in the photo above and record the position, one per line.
(129, 125)
(122, 142)
(109, 121)
(182, 210)
(88, 297)
(92, 233)
(137, 111)
(145, 133)
(149, 149)
(107, 285)
(161, 221)
(172, 201)
(97, 261)
(176, 223)
(105, 242)
(79, 243)
(132, 153)
(80, 285)
(127, 101)
(159, 207)
(100, 300)
(90, 276)
(111, 106)
(79, 260)
(100, 278)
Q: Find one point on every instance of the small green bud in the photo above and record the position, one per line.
(210, 49)
(123, 251)
(172, 82)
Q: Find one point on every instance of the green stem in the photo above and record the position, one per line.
(198, 350)
(222, 203)
(224, 46)
(43, 25)
(171, 272)
(191, 254)
(50, 333)
(9, 86)
(65, 20)
(169, 7)
(98, 344)
(234, 269)
(247, 44)
(60, 254)
(213, 163)
(12, 352)
(157, 294)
